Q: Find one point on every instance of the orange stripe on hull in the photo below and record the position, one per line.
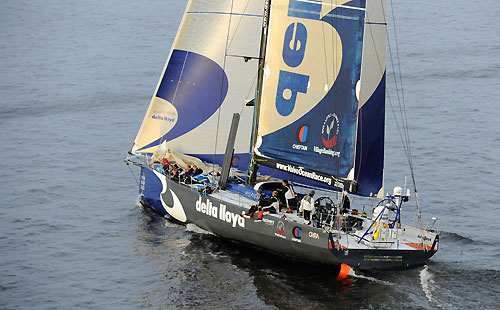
(418, 246)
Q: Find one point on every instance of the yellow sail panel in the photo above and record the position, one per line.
(322, 57)
(161, 118)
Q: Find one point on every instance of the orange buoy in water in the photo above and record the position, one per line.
(344, 272)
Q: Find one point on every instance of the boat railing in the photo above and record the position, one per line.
(372, 224)
(136, 160)
(433, 225)
(363, 228)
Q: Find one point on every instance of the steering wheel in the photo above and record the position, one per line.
(325, 204)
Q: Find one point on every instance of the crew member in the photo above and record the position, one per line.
(196, 170)
(289, 196)
(263, 202)
(274, 206)
(307, 206)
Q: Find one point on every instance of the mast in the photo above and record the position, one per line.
(253, 167)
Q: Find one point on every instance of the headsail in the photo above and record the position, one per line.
(309, 106)
(210, 72)
(369, 165)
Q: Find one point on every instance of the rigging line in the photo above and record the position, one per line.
(407, 145)
(132, 172)
(401, 80)
(222, 85)
(403, 119)
(383, 70)
(238, 25)
(411, 167)
(252, 87)
(403, 136)
(401, 101)
(401, 108)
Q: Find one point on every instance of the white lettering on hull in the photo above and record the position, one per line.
(219, 212)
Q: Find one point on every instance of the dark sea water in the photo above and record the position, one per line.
(75, 81)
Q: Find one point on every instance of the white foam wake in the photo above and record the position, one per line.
(353, 274)
(426, 282)
(193, 228)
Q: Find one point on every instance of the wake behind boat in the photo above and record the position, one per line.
(317, 119)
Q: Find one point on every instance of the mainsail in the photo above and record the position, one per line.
(210, 72)
(369, 163)
(312, 88)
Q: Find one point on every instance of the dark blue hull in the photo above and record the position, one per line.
(150, 189)
(223, 218)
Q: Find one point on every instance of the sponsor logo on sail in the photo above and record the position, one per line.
(330, 130)
(302, 172)
(301, 138)
(165, 118)
(302, 133)
(330, 180)
(321, 150)
(299, 147)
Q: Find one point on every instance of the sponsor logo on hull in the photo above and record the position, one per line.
(313, 235)
(219, 212)
(280, 230)
(296, 232)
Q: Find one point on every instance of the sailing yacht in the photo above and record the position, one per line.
(255, 92)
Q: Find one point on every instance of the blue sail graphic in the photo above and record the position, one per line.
(370, 143)
(196, 86)
(323, 139)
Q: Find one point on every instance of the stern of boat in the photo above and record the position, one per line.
(381, 247)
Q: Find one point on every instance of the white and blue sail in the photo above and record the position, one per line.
(369, 162)
(210, 72)
(317, 84)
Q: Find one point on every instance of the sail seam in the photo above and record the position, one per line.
(333, 5)
(225, 13)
